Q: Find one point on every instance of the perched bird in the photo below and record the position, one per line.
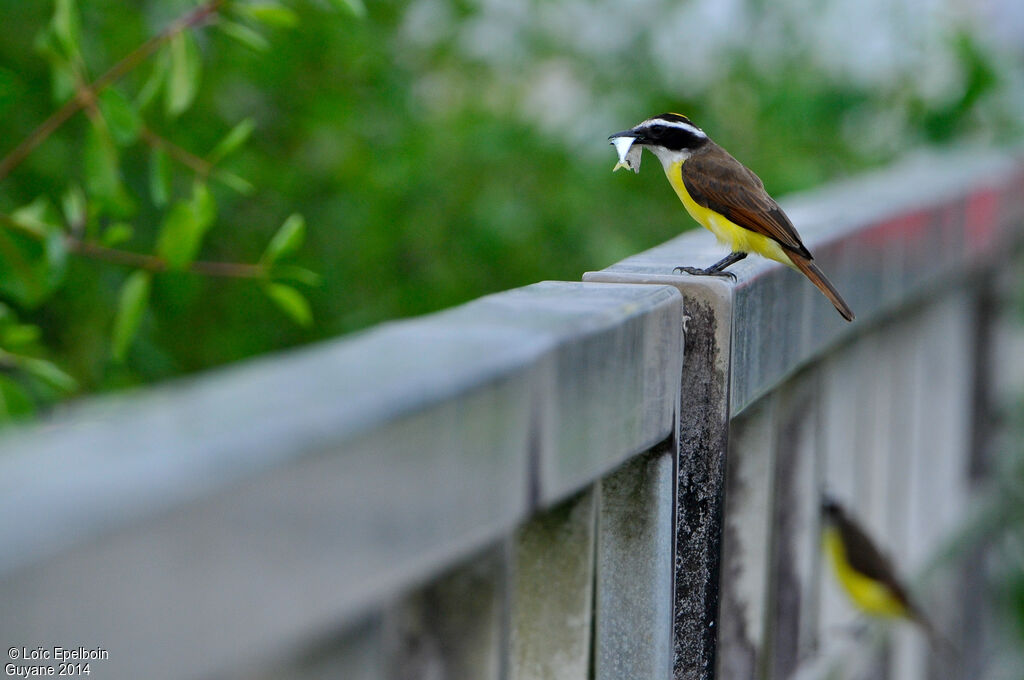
(723, 196)
(864, 572)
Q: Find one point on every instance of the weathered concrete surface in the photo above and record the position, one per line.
(746, 544)
(634, 569)
(703, 441)
(453, 628)
(325, 479)
(356, 652)
(609, 375)
(795, 560)
(552, 593)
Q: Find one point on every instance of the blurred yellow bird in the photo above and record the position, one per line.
(866, 575)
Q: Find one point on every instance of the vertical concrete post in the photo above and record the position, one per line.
(746, 541)
(700, 462)
(793, 606)
(356, 652)
(552, 593)
(634, 569)
(703, 445)
(454, 627)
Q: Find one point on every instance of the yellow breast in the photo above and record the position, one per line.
(727, 232)
(868, 595)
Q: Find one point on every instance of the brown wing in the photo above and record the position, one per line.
(866, 559)
(721, 183)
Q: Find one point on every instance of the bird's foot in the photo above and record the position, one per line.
(697, 271)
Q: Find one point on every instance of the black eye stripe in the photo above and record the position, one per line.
(673, 137)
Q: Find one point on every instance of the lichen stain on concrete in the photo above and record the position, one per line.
(701, 473)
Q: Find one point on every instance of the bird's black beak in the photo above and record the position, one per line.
(634, 133)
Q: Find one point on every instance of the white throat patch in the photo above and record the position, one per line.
(669, 157)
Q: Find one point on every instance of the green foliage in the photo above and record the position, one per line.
(25, 376)
(159, 177)
(245, 35)
(291, 301)
(121, 117)
(287, 240)
(103, 173)
(355, 7)
(66, 27)
(102, 204)
(1000, 530)
(116, 234)
(268, 13)
(32, 254)
(941, 122)
(74, 207)
(14, 400)
(232, 141)
(186, 224)
(430, 170)
(130, 307)
(183, 78)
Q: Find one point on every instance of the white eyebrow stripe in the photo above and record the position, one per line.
(676, 124)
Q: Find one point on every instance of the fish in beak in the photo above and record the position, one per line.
(629, 153)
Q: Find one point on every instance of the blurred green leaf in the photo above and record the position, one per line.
(184, 227)
(245, 35)
(179, 236)
(18, 336)
(73, 203)
(291, 302)
(62, 82)
(11, 88)
(66, 26)
(183, 79)
(235, 138)
(288, 272)
(230, 179)
(203, 204)
(14, 400)
(287, 240)
(103, 174)
(62, 78)
(38, 217)
(269, 13)
(130, 307)
(47, 372)
(31, 268)
(45, 43)
(155, 81)
(159, 177)
(117, 233)
(354, 7)
(122, 118)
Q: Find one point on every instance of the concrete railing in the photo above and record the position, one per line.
(535, 484)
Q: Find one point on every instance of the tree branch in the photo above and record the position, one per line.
(127, 258)
(115, 73)
(198, 165)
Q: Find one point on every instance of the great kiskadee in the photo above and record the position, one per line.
(723, 196)
(866, 575)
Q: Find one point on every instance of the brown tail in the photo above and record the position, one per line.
(938, 641)
(811, 271)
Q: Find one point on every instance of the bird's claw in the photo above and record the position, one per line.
(697, 271)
